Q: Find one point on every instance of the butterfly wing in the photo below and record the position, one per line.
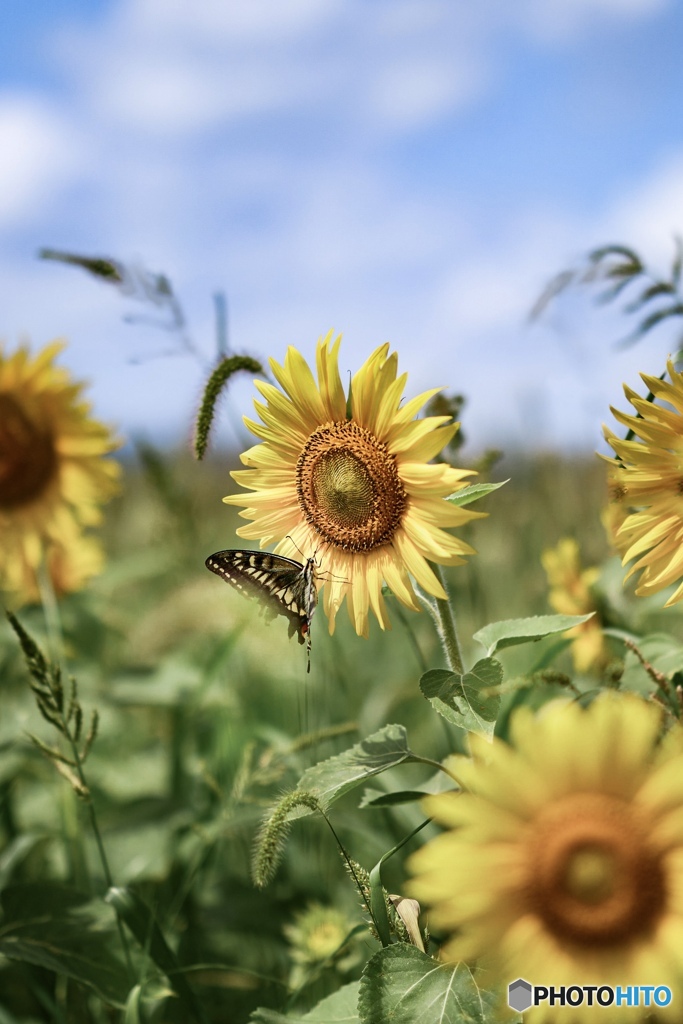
(283, 586)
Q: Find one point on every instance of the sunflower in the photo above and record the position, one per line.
(349, 481)
(563, 862)
(53, 476)
(647, 478)
(320, 936)
(570, 594)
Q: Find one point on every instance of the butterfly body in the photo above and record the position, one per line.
(282, 585)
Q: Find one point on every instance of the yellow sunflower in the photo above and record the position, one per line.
(350, 481)
(319, 936)
(53, 477)
(563, 863)
(647, 478)
(570, 594)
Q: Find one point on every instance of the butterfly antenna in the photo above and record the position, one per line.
(289, 537)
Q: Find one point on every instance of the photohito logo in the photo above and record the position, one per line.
(522, 995)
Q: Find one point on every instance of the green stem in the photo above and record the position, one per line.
(444, 619)
(99, 843)
(56, 644)
(434, 764)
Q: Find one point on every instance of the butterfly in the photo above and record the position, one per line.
(283, 586)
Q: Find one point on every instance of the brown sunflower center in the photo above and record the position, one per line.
(594, 878)
(349, 488)
(27, 456)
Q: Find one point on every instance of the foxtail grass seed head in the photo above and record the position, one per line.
(271, 840)
(226, 369)
(349, 478)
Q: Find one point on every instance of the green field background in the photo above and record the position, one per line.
(207, 716)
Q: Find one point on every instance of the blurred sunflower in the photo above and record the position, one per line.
(570, 594)
(320, 937)
(351, 480)
(647, 479)
(563, 862)
(53, 476)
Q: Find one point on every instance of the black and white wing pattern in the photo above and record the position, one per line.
(283, 586)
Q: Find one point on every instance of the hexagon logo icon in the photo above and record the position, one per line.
(519, 995)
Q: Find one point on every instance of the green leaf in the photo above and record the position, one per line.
(144, 927)
(339, 1008)
(651, 292)
(374, 798)
(378, 905)
(100, 266)
(66, 931)
(511, 632)
(405, 986)
(596, 255)
(331, 779)
(439, 782)
(463, 699)
(473, 493)
(134, 1013)
(662, 651)
(656, 318)
(15, 853)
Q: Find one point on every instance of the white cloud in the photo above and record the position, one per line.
(180, 67)
(40, 153)
(231, 21)
(413, 92)
(560, 21)
(652, 213)
(181, 95)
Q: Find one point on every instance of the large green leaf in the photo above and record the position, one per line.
(511, 632)
(403, 985)
(464, 699)
(339, 1008)
(331, 779)
(68, 932)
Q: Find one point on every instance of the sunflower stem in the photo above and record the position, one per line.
(444, 619)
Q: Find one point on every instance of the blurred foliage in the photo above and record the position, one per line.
(617, 270)
(206, 717)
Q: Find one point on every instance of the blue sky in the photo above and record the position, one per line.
(410, 171)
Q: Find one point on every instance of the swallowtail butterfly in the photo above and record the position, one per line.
(283, 586)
